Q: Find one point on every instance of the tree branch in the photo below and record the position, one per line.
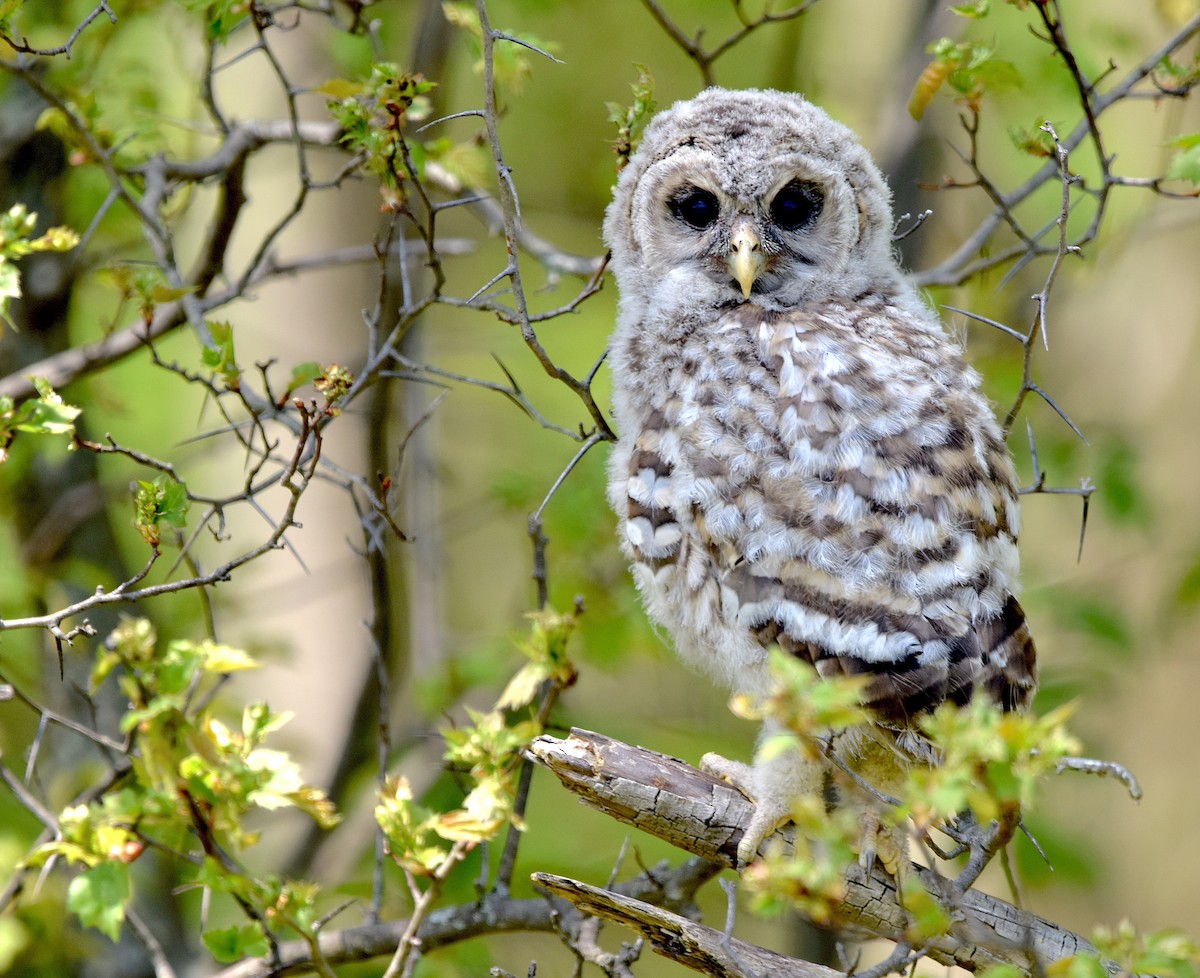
(494, 914)
(693, 945)
(696, 812)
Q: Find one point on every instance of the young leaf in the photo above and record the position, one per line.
(1185, 165)
(219, 358)
(632, 119)
(98, 896)
(235, 943)
(974, 9)
(302, 373)
(10, 288)
(16, 226)
(163, 500)
(49, 414)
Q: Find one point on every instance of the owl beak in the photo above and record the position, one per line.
(745, 261)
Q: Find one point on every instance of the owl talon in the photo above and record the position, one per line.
(769, 812)
(882, 843)
(740, 775)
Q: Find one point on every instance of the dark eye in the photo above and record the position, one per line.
(696, 207)
(796, 205)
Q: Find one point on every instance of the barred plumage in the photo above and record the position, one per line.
(805, 458)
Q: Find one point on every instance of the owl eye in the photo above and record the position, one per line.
(696, 207)
(796, 205)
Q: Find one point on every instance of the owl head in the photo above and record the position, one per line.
(749, 196)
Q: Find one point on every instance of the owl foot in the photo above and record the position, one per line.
(770, 811)
(878, 841)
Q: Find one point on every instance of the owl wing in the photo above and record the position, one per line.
(834, 484)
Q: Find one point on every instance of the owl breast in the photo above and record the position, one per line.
(828, 481)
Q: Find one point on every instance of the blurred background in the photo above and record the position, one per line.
(1115, 623)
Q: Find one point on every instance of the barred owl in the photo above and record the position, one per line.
(805, 460)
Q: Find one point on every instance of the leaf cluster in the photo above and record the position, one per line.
(17, 226)
(989, 761)
(631, 119)
(161, 500)
(808, 707)
(809, 876)
(490, 751)
(1166, 953)
(967, 68)
(47, 414)
(983, 760)
(373, 114)
(189, 787)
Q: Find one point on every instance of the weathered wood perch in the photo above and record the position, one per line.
(698, 813)
(694, 945)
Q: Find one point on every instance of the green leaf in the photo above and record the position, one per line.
(55, 239)
(48, 414)
(7, 9)
(235, 943)
(10, 288)
(174, 503)
(1033, 139)
(524, 686)
(303, 373)
(340, 88)
(98, 896)
(975, 9)
(632, 120)
(16, 225)
(1078, 966)
(220, 16)
(1186, 166)
(219, 357)
(225, 658)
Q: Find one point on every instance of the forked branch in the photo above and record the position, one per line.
(705, 816)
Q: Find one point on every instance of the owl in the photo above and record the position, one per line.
(805, 460)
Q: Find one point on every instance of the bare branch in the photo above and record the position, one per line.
(964, 262)
(691, 944)
(694, 47)
(23, 46)
(493, 914)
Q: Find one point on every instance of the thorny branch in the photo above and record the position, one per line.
(512, 223)
(279, 434)
(978, 252)
(704, 58)
(24, 47)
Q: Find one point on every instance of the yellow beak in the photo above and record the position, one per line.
(746, 261)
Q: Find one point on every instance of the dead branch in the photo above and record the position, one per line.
(693, 945)
(698, 813)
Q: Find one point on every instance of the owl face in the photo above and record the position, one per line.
(749, 196)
